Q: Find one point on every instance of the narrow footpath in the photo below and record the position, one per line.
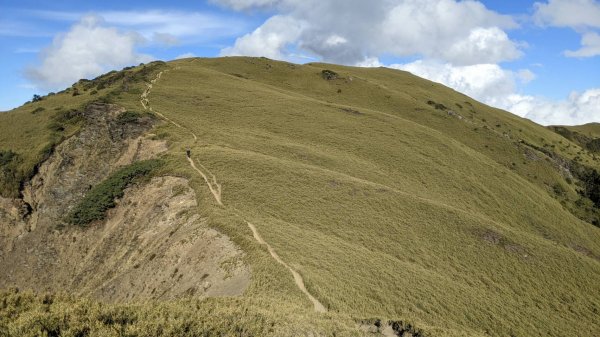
(215, 190)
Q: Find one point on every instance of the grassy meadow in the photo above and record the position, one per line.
(394, 198)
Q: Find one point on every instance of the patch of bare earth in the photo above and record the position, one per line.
(497, 239)
(152, 244)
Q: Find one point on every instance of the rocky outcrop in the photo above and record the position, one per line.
(80, 162)
(152, 245)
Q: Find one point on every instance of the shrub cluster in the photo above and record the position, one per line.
(437, 106)
(129, 117)
(9, 173)
(102, 197)
(329, 74)
(593, 145)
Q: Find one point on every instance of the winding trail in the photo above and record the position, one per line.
(297, 278)
(215, 190)
(214, 187)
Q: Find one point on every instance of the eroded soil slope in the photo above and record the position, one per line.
(152, 245)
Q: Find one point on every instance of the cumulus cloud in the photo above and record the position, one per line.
(590, 46)
(578, 108)
(185, 56)
(568, 13)
(239, 5)
(581, 15)
(483, 45)
(269, 40)
(498, 87)
(87, 50)
(165, 39)
(485, 82)
(185, 27)
(353, 31)
(459, 43)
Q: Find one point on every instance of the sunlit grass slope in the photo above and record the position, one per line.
(591, 129)
(385, 204)
(394, 197)
(30, 132)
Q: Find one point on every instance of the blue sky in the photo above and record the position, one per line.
(537, 59)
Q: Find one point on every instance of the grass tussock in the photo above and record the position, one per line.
(28, 314)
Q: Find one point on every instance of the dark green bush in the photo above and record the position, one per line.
(558, 189)
(102, 196)
(592, 186)
(329, 74)
(129, 117)
(38, 109)
(593, 145)
(6, 157)
(440, 106)
(437, 106)
(9, 173)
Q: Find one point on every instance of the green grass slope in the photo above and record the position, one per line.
(394, 197)
(591, 129)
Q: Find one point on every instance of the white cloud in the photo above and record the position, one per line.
(165, 39)
(568, 13)
(352, 31)
(578, 108)
(590, 46)
(269, 40)
(483, 45)
(581, 15)
(87, 50)
(460, 43)
(175, 23)
(239, 5)
(185, 56)
(370, 62)
(526, 75)
(498, 87)
(486, 82)
(459, 32)
(202, 26)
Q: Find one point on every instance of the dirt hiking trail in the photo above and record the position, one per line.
(214, 187)
(297, 278)
(215, 190)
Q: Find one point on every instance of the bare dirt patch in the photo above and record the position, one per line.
(154, 245)
(151, 245)
(497, 239)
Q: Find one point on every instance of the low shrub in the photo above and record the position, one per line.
(329, 74)
(9, 173)
(593, 145)
(102, 196)
(437, 106)
(38, 109)
(129, 117)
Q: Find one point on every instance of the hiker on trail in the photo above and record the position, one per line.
(188, 152)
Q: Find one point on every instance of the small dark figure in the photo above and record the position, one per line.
(188, 152)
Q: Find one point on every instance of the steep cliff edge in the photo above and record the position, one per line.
(152, 244)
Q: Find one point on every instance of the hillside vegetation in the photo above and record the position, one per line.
(393, 197)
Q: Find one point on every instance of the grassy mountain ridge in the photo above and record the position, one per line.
(394, 197)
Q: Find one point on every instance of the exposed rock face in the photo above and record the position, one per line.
(152, 245)
(80, 162)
